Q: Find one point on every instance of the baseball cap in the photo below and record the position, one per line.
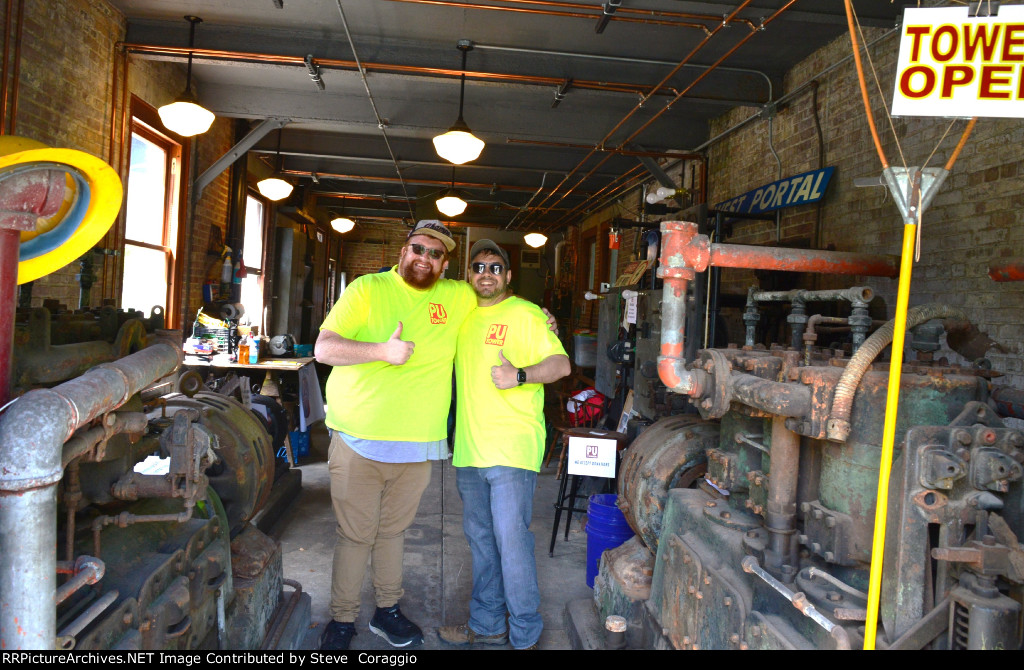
(488, 245)
(436, 229)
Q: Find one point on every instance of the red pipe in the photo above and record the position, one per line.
(803, 260)
(1011, 270)
(684, 252)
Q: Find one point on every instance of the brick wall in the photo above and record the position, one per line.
(975, 218)
(371, 246)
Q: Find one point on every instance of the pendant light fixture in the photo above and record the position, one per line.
(342, 223)
(535, 239)
(274, 188)
(185, 116)
(459, 145)
(448, 202)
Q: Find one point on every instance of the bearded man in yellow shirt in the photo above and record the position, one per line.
(505, 355)
(389, 333)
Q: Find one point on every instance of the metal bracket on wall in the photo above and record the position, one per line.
(236, 152)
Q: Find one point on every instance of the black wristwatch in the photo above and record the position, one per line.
(521, 376)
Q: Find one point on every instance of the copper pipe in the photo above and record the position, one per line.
(3, 84)
(863, 85)
(551, 12)
(701, 76)
(390, 180)
(961, 143)
(339, 64)
(621, 10)
(620, 152)
(635, 109)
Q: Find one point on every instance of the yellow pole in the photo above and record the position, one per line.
(889, 434)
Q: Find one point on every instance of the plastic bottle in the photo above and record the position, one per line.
(243, 350)
(254, 351)
(226, 272)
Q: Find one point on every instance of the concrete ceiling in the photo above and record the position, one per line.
(574, 110)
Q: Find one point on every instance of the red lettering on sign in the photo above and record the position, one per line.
(989, 79)
(955, 75)
(922, 92)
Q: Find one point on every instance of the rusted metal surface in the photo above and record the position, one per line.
(1009, 270)
(244, 473)
(802, 260)
(780, 520)
(28, 192)
(669, 454)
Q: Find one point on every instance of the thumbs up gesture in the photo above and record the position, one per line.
(504, 374)
(396, 350)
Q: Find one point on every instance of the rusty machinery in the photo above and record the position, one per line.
(149, 498)
(754, 510)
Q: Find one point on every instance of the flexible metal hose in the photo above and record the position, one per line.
(842, 400)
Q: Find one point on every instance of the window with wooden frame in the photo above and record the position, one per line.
(254, 256)
(152, 267)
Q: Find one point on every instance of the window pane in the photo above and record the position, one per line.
(147, 181)
(145, 285)
(252, 249)
(252, 298)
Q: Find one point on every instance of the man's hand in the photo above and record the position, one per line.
(504, 375)
(396, 350)
(552, 322)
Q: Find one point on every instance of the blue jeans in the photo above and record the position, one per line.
(497, 505)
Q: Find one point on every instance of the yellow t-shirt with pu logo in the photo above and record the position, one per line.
(494, 427)
(409, 402)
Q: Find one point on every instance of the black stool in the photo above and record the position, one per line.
(567, 491)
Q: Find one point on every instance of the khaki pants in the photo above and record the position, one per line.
(373, 504)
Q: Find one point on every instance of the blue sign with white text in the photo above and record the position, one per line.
(802, 189)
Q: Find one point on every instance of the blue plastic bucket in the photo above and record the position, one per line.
(606, 529)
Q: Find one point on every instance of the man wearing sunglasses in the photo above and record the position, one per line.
(391, 339)
(504, 357)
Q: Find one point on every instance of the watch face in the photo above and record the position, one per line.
(521, 376)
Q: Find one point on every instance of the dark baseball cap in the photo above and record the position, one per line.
(488, 245)
(437, 230)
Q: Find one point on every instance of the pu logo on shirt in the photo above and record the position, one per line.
(437, 313)
(496, 334)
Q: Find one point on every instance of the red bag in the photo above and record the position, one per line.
(586, 406)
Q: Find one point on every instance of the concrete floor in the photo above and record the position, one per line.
(437, 559)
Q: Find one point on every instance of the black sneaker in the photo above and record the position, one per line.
(391, 624)
(337, 636)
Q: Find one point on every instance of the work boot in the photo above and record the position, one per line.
(391, 624)
(463, 634)
(337, 636)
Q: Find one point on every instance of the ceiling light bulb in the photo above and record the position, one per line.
(274, 188)
(660, 193)
(185, 117)
(458, 145)
(343, 224)
(451, 205)
(535, 239)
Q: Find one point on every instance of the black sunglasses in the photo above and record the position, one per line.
(495, 268)
(421, 250)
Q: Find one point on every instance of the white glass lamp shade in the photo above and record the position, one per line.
(451, 205)
(274, 188)
(185, 117)
(343, 224)
(535, 239)
(458, 145)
